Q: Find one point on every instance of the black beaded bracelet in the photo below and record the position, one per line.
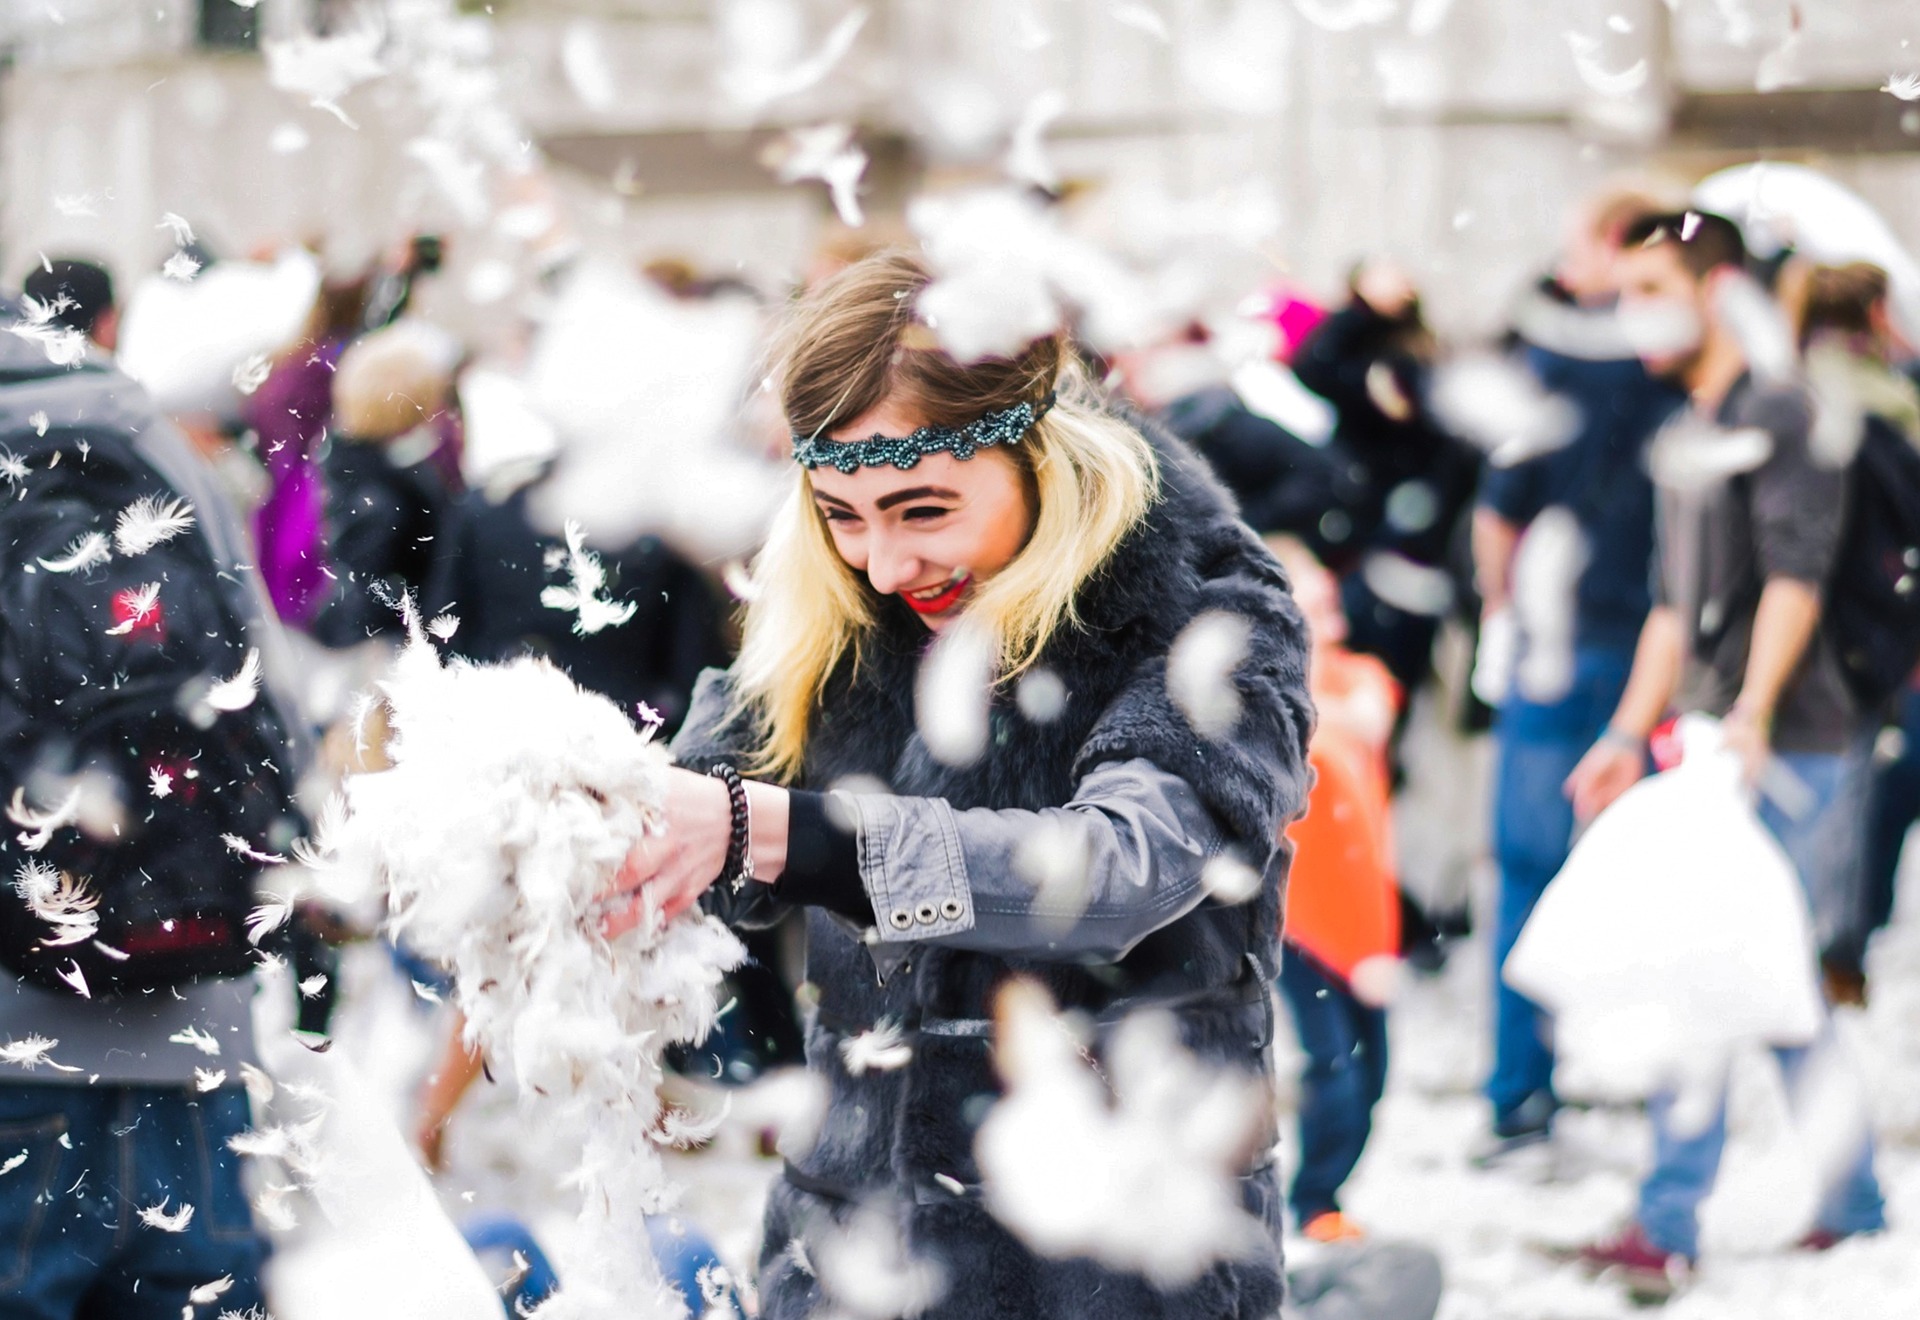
(738, 868)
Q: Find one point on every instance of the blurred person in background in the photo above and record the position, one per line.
(1735, 632)
(1371, 360)
(122, 1196)
(80, 293)
(289, 414)
(389, 480)
(1870, 410)
(1342, 908)
(390, 293)
(1552, 712)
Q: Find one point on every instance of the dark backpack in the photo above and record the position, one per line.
(1872, 609)
(105, 692)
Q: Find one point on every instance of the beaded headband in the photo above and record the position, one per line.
(1003, 426)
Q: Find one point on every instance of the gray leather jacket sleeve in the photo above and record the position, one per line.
(1090, 879)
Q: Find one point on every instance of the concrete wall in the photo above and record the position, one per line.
(1451, 133)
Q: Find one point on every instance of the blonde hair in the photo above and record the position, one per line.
(390, 381)
(847, 347)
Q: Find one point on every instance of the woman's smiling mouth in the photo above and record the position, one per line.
(939, 599)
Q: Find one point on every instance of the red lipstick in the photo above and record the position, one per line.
(945, 601)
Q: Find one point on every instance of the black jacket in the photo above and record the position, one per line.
(890, 1133)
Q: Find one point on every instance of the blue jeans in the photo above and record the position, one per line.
(1346, 1046)
(1539, 744)
(1684, 1165)
(72, 1243)
(1893, 805)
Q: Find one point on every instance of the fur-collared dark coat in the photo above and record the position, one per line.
(888, 1133)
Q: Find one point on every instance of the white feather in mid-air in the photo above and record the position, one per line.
(238, 692)
(62, 344)
(1135, 1163)
(827, 153)
(140, 603)
(759, 71)
(587, 580)
(196, 1038)
(512, 801)
(60, 900)
(239, 847)
(149, 521)
(159, 782)
(1200, 670)
(881, 1049)
(181, 266)
(177, 225)
(88, 550)
(158, 1216)
(30, 1052)
(38, 827)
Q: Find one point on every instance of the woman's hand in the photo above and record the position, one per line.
(675, 866)
(1611, 767)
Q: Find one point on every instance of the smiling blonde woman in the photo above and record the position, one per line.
(1003, 496)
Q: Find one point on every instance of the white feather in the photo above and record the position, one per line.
(196, 1038)
(182, 231)
(88, 550)
(1200, 670)
(139, 606)
(879, 1049)
(241, 848)
(28, 1053)
(238, 692)
(158, 1216)
(38, 827)
(587, 579)
(181, 266)
(149, 521)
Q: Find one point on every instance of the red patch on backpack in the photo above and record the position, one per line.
(147, 624)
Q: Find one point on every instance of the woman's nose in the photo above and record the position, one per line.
(890, 568)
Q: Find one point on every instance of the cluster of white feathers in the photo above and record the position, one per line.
(1138, 1169)
(511, 803)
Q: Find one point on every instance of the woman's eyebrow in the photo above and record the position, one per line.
(887, 501)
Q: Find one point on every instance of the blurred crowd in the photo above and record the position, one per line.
(1687, 478)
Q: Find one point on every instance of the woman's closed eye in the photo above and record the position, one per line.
(924, 513)
(835, 514)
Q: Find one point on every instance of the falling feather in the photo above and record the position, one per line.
(77, 206)
(159, 782)
(444, 626)
(62, 344)
(252, 374)
(1200, 669)
(879, 1049)
(313, 985)
(755, 82)
(39, 421)
(181, 266)
(241, 848)
(1139, 1169)
(324, 69)
(952, 694)
(1501, 406)
(39, 827)
(177, 224)
(1027, 157)
(1229, 880)
(60, 900)
(30, 1052)
(139, 607)
(209, 1079)
(266, 918)
(88, 550)
(13, 467)
(1586, 62)
(827, 153)
(13, 1162)
(158, 1216)
(196, 1038)
(211, 1291)
(1903, 86)
(74, 977)
(1780, 67)
(587, 580)
(238, 692)
(150, 521)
